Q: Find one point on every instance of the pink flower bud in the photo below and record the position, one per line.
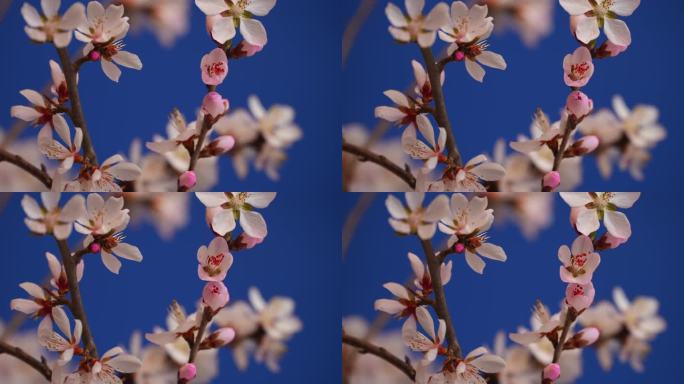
(459, 56)
(215, 295)
(222, 144)
(250, 242)
(552, 372)
(613, 241)
(249, 50)
(188, 371)
(459, 247)
(587, 336)
(225, 335)
(187, 180)
(614, 49)
(94, 55)
(587, 144)
(580, 296)
(579, 104)
(551, 181)
(214, 104)
(95, 247)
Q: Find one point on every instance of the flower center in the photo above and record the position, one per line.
(578, 291)
(216, 260)
(216, 69)
(578, 71)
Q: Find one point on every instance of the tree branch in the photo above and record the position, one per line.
(76, 112)
(76, 303)
(366, 347)
(20, 162)
(569, 127)
(440, 305)
(207, 314)
(366, 155)
(440, 114)
(20, 354)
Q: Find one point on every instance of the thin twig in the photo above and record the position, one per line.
(366, 347)
(440, 114)
(76, 303)
(367, 155)
(440, 305)
(206, 126)
(20, 354)
(353, 219)
(354, 26)
(569, 319)
(76, 112)
(20, 162)
(569, 127)
(207, 314)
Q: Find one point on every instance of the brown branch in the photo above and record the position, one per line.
(207, 314)
(440, 114)
(353, 219)
(20, 354)
(76, 303)
(195, 155)
(366, 155)
(366, 347)
(560, 153)
(440, 305)
(569, 319)
(76, 111)
(20, 162)
(354, 26)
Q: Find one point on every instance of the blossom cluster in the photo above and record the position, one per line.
(188, 349)
(551, 157)
(188, 156)
(550, 350)
(260, 324)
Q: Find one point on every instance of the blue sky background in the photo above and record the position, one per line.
(297, 259)
(502, 298)
(295, 68)
(502, 107)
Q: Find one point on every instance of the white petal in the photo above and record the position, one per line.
(397, 290)
(125, 363)
(587, 222)
(212, 199)
(576, 199)
(223, 29)
(260, 7)
(260, 199)
(125, 171)
(223, 222)
(475, 70)
(587, 30)
(491, 59)
(128, 251)
(111, 262)
(31, 15)
(492, 251)
(475, 262)
(31, 207)
(395, 15)
(211, 7)
(127, 59)
(489, 363)
(111, 70)
(253, 224)
(73, 17)
(576, 7)
(253, 32)
(617, 32)
(50, 7)
(617, 224)
(625, 199)
(625, 7)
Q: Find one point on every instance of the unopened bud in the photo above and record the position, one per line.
(94, 55)
(552, 372)
(459, 56)
(219, 146)
(187, 371)
(551, 181)
(579, 104)
(246, 49)
(215, 295)
(219, 338)
(583, 338)
(583, 146)
(459, 247)
(187, 180)
(95, 247)
(214, 104)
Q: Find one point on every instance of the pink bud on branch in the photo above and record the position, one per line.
(187, 180)
(551, 181)
(579, 104)
(187, 371)
(215, 295)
